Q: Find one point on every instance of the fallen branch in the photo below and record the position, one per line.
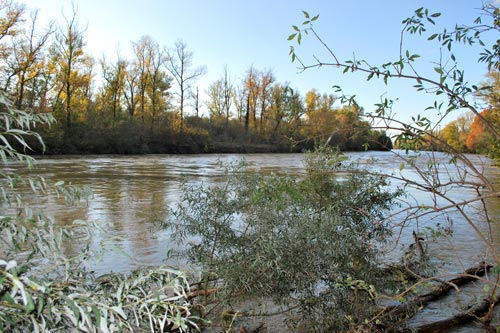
(473, 313)
(441, 290)
(200, 292)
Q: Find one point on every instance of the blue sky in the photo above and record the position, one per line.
(244, 33)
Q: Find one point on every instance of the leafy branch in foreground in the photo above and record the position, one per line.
(451, 187)
(42, 289)
(451, 80)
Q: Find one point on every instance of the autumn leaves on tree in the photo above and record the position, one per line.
(468, 133)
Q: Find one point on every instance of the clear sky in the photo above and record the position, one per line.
(240, 33)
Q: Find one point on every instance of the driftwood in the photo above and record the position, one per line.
(441, 290)
(471, 314)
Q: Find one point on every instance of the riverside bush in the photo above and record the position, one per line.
(307, 242)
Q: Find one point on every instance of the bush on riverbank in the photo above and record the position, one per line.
(309, 243)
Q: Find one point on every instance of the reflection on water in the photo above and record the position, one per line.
(132, 192)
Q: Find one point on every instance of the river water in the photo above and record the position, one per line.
(130, 193)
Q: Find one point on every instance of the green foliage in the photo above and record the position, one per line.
(307, 242)
(15, 126)
(44, 290)
(155, 300)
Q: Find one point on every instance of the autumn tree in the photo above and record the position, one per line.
(26, 59)
(130, 90)
(220, 94)
(239, 101)
(143, 49)
(320, 116)
(481, 134)
(456, 132)
(266, 80)
(11, 13)
(112, 91)
(285, 112)
(478, 140)
(72, 65)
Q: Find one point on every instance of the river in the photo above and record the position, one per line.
(130, 193)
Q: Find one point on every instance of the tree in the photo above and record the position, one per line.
(11, 13)
(159, 84)
(26, 61)
(321, 119)
(69, 58)
(195, 96)
(265, 86)
(130, 90)
(456, 132)
(220, 95)
(143, 50)
(251, 90)
(478, 140)
(114, 85)
(285, 112)
(180, 62)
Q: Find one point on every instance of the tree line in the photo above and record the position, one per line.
(151, 103)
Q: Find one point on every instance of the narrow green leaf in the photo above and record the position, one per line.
(30, 305)
(120, 311)
(40, 305)
(97, 315)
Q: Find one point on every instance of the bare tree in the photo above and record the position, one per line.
(180, 62)
(195, 96)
